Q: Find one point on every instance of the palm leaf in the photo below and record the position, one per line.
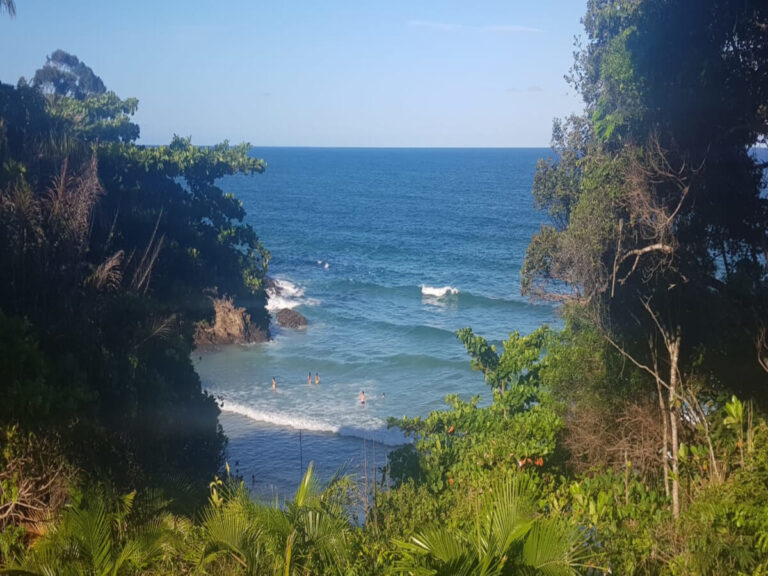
(554, 549)
(510, 512)
(92, 532)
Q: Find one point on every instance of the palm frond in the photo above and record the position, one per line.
(229, 529)
(510, 511)
(92, 532)
(554, 549)
(306, 488)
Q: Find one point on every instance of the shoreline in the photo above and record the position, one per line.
(272, 459)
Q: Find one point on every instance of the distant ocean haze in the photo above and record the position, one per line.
(387, 252)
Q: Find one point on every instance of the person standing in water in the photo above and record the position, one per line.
(309, 379)
(362, 397)
(274, 384)
(317, 379)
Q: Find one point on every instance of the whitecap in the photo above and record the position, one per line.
(438, 292)
(388, 437)
(286, 294)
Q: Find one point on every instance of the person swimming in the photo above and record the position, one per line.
(317, 379)
(309, 378)
(274, 384)
(362, 397)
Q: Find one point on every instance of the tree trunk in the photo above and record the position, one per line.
(673, 349)
(664, 409)
(664, 415)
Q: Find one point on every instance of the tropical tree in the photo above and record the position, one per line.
(65, 76)
(659, 227)
(109, 255)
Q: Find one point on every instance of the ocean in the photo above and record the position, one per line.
(387, 252)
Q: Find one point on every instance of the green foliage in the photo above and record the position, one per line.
(309, 534)
(726, 526)
(28, 393)
(655, 198)
(517, 364)
(96, 536)
(110, 255)
(466, 443)
(64, 76)
(507, 538)
(98, 118)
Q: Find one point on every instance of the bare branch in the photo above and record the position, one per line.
(761, 345)
(634, 361)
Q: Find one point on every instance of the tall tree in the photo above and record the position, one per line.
(64, 76)
(659, 229)
(108, 252)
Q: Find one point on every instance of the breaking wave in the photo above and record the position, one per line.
(438, 292)
(387, 437)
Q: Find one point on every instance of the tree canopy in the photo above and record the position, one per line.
(111, 252)
(659, 225)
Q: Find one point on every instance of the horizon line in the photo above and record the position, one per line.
(351, 147)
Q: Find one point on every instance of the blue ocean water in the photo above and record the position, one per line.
(387, 252)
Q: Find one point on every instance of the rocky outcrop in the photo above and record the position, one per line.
(288, 318)
(232, 325)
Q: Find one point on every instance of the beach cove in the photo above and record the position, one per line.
(387, 252)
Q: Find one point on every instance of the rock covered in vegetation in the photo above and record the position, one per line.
(288, 318)
(232, 325)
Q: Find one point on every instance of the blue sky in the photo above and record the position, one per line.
(309, 73)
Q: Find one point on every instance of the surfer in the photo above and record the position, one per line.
(274, 384)
(317, 379)
(362, 397)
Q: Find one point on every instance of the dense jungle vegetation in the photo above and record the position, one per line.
(632, 441)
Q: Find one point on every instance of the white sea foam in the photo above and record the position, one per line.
(286, 294)
(438, 292)
(289, 288)
(388, 437)
(276, 303)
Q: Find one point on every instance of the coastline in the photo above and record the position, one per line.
(272, 459)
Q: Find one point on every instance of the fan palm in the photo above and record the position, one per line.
(507, 538)
(307, 535)
(93, 540)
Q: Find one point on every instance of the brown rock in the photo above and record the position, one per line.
(290, 319)
(232, 325)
